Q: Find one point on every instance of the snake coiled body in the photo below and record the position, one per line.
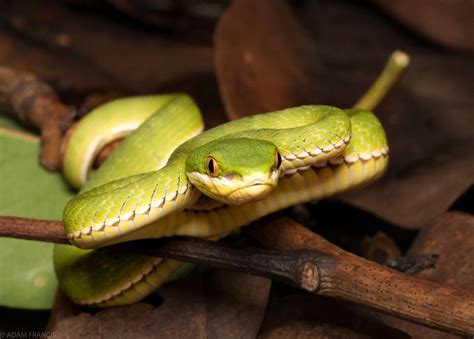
(145, 190)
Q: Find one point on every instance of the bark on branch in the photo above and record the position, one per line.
(303, 259)
(36, 104)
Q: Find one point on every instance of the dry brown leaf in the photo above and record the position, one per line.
(99, 53)
(188, 19)
(414, 196)
(310, 316)
(263, 58)
(182, 315)
(303, 329)
(451, 237)
(235, 304)
(447, 22)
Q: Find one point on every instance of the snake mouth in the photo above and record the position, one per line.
(254, 192)
(253, 189)
(237, 191)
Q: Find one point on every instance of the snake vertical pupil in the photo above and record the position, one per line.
(212, 167)
(277, 160)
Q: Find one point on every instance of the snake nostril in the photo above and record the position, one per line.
(229, 176)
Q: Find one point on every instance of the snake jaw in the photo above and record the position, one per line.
(238, 190)
(254, 188)
(251, 193)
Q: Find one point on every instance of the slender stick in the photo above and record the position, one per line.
(293, 268)
(297, 268)
(35, 103)
(302, 259)
(393, 70)
(33, 229)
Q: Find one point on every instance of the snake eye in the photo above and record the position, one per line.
(212, 167)
(277, 160)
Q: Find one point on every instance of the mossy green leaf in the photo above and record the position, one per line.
(27, 278)
(6, 122)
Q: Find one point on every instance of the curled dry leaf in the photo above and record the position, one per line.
(235, 303)
(94, 61)
(182, 315)
(262, 58)
(417, 195)
(192, 19)
(446, 22)
(451, 237)
(303, 329)
(310, 316)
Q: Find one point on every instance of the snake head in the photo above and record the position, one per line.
(235, 170)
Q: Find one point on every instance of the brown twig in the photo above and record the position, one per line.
(307, 261)
(297, 268)
(33, 229)
(35, 104)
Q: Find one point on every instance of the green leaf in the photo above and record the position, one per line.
(6, 122)
(27, 278)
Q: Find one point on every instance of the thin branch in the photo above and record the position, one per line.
(302, 259)
(35, 103)
(297, 268)
(33, 229)
(293, 268)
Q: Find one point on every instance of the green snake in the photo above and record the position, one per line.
(167, 178)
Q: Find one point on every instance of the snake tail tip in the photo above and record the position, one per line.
(401, 58)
